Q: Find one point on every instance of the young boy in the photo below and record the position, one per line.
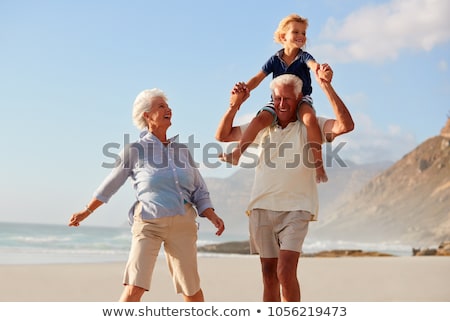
(291, 33)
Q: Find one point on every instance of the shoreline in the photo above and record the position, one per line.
(39, 257)
(30, 256)
(243, 248)
(228, 249)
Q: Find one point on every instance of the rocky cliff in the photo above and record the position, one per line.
(409, 202)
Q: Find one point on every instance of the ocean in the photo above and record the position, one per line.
(22, 243)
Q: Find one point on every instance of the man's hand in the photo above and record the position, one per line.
(324, 73)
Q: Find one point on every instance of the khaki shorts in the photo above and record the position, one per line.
(272, 231)
(179, 236)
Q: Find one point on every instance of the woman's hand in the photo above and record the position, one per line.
(82, 215)
(78, 217)
(215, 219)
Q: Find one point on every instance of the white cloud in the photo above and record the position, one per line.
(369, 143)
(443, 65)
(380, 32)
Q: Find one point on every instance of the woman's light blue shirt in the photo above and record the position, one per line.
(164, 178)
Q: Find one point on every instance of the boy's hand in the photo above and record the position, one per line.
(324, 73)
(239, 87)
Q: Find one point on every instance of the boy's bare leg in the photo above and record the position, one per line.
(259, 122)
(314, 138)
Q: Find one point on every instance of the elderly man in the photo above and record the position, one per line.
(284, 195)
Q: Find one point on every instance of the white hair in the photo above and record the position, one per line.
(288, 79)
(142, 104)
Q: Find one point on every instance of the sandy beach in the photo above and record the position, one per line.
(237, 279)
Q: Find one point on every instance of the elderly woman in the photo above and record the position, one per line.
(169, 191)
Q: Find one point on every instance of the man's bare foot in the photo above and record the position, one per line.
(321, 175)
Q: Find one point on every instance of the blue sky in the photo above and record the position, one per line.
(70, 70)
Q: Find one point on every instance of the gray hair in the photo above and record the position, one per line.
(288, 79)
(142, 104)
